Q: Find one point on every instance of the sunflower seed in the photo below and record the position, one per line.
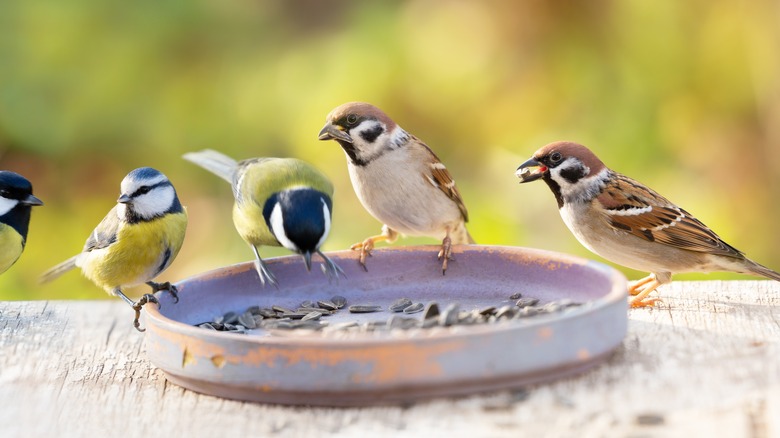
(315, 309)
(267, 312)
(432, 310)
(206, 325)
(295, 315)
(254, 310)
(488, 311)
(525, 302)
(280, 309)
(414, 308)
(247, 320)
(449, 316)
(309, 325)
(338, 300)
(328, 305)
(307, 303)
(400, 304)
(311, 316)
(515, 296)
(364, 309)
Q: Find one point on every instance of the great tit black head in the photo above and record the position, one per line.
(16, 201)
(299, 218)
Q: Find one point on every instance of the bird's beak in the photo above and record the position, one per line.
(531, 170)
(307, 260)
(334, 132)
(31, 201)
(124, 199)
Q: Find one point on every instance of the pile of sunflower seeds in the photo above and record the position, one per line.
(306, 315)
(309, 315)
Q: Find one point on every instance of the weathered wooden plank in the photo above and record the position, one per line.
(707, 361)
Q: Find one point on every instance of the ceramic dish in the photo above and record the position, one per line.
(390, 366)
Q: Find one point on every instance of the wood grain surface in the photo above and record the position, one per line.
(705, 362)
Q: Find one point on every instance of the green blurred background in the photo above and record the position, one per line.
(684, 96)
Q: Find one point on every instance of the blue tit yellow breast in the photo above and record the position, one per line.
(141, 251)
(11, 246)
(263, 179)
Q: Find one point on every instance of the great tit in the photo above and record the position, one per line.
(136, 241)
(278, 202)
(16, 202)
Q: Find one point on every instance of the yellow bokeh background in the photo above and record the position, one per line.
(684, 96)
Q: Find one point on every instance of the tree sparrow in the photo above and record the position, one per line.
(398, 179)
(628, 223)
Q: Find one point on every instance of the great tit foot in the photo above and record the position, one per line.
(167, 286)
(147, 298)
(330, 268)
(265, 274)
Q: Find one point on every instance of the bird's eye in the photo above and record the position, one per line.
(556, 157)
(352, 119)
(143, 190)
(4, 193)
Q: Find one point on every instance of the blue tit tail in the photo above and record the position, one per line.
(307, 260)
(215, 162)
(57, 271)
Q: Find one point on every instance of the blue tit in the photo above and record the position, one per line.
(278, 202)
(136, 241)
(16, 202)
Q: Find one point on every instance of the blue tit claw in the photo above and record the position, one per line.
(331, 269)
(147, 298)
(167, 286)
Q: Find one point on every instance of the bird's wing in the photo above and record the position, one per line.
(243, 177)
(438, 175)
(105, 233)
(633, 208)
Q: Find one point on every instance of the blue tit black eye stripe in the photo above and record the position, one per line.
(146, 189)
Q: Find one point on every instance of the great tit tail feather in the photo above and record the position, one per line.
(215, 162)
(58, 270)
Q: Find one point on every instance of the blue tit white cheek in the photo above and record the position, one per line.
(155, 202)
(7, 205)
(277, 227)
(326, 217)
